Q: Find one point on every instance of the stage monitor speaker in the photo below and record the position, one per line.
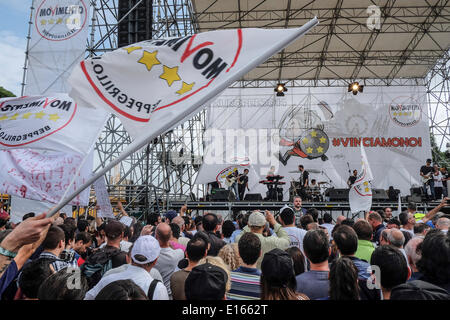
(220, 195)
(414, 198)
(253, 197)
(379, 195)
(416, 190)
(337, 194)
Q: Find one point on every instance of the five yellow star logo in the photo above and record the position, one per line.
(313, 133)
(53, 117)
(323, 140)
(39, 115)
(170, 75)
(319, 150)
(131, 49)
(149, 59)
(309, 150)
(185, 87)
(305, 140)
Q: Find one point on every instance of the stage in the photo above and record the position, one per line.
(331, 207)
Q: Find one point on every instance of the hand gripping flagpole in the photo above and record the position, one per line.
(160, 127)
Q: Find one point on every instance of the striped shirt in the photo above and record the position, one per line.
(245, 284)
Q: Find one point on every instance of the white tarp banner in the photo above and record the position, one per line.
(21, 206)
(58, 42)
(322, 129)
(43, 176)
(102, 196)
(360, 194)
(156, 84)
(52, 122)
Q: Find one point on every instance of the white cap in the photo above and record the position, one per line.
(146, 246)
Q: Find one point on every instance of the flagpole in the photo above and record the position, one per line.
(137, 144)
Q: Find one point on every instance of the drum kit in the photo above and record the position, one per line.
(313, 193)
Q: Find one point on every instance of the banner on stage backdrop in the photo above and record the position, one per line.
(156, 84)
(43, 176)
(54, 122)
(322, 129)
(102, 196)
(58, 42)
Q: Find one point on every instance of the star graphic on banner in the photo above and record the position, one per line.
(51, 21)
(313, 133)
(149, 59)
(68, 21)
(131, 49)
(26, 115)
(4, 117)
(305, 140)
(185, 87)
(170, 75)
(43, 22)
(39, 115)
(366, 189)
(319, 150)
(365, 183)
(59, 21)
(53, 117)
(323, 140)
(309, 150)
(395, 114)
(14, 117)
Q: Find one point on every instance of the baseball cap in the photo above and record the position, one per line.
(206, 282)
(256, 219)
(146, 246)
(170, 214)
(278, 268)
(113, 229)
(428, 160)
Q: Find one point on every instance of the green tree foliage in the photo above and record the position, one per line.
(5, 93)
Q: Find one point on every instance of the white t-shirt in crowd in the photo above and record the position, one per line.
(329, 227)
(124, 245)
(410, 231)
(138, 275)
(438, 180)
(296, 236)
(167, 262)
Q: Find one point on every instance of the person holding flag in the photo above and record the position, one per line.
(360, 194)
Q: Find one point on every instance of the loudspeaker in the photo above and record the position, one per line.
(137, 25)
(414, 198)
(220, 195)
(416, 190)
(379, 195)
(253, 196)
(337, 194)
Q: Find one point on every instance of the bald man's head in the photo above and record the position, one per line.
(396, 238)
(163, 233)
(340, 219)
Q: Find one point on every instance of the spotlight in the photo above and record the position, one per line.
(355, 87)
(280, 89)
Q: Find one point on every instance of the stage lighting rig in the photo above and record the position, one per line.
(280, 89)
(355, 87)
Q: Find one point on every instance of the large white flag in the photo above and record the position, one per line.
(53, 122)
(154, 85)
(58, 42)
(44, 176)
(360, 195)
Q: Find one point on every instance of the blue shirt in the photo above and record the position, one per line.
(314, 284)
(8, 276)
(234, 235)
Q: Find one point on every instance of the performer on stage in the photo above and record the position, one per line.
(426, 172)
(304, 181)
(243, 184)
(351, 180)
(232, 183)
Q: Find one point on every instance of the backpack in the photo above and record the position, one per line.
(97, 265)
(151, 289)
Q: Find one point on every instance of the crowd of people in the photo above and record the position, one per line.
(295, 254)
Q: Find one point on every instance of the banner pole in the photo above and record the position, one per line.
(160, 128)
